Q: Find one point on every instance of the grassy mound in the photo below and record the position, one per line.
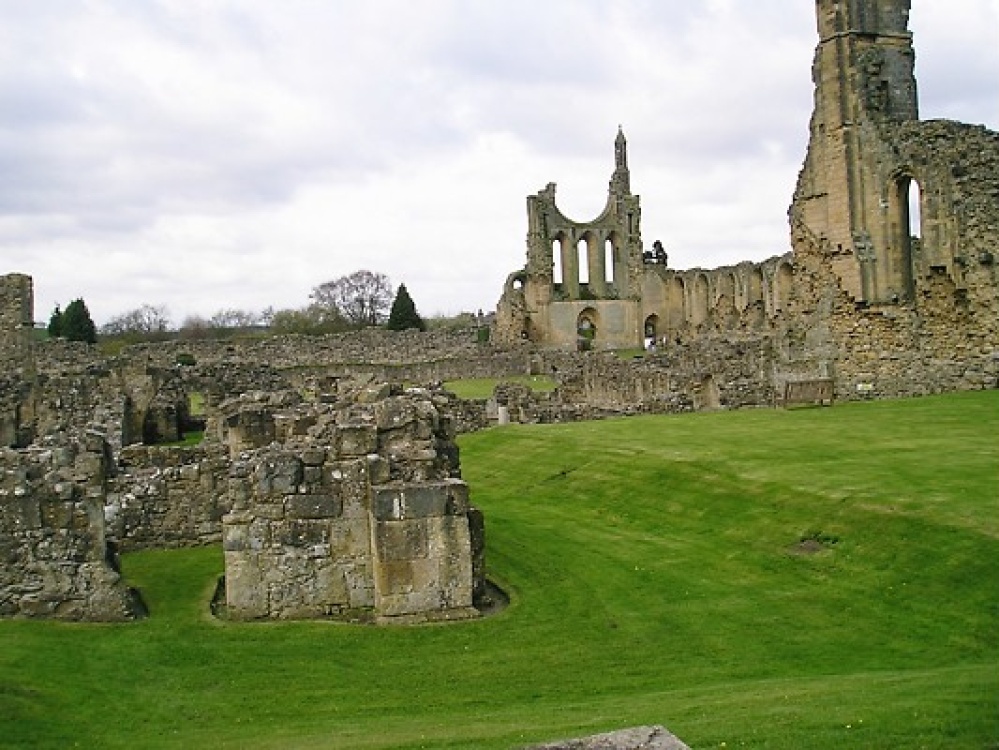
(815, 578)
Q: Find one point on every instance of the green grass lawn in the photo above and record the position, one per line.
(816, 578)
(483, 387)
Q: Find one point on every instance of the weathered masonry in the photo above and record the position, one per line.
(355, 512)
(334, 497)
(583, 280)
(891, 285)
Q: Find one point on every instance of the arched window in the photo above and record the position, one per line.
(906, 230)
(651, 331)
(609, 267)
(754, 298)
(582, 253)
(700, 300)
(586, 329)
(557, 272)
(915, 210)
(782, 284)
(725, 297)
(677, 316)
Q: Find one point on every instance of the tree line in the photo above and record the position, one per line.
(358, 300)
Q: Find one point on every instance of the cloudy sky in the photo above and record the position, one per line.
(210, 154)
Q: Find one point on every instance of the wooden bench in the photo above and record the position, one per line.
(816, 391)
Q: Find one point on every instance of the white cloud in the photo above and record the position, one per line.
(236, 154)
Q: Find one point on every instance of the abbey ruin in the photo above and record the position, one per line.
(868, 297)
(336, 492)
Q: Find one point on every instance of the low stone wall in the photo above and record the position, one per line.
(708, 372)
(52, 538)
(167, 497)
(366, 346)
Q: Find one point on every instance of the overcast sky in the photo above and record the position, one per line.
(209, 154)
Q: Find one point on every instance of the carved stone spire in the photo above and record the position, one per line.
(621, 179)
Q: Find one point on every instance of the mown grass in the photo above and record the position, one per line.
(189, 440)
(483, 387)
(657, 575)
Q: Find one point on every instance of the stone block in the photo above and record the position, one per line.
(235, 537)
(394, 413)
(379, 469)
(57, 514)
(350, 538)
(312, 476)
(245, 594)
(314, 456)
(312, 506)
(300, 533)
(356, 440)
(18, 514)
(374, 393)
(402, 540)
(270, 510)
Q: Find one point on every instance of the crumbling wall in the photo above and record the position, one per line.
(355, 510)
(164, 497)
(707, 372)
(56, 562)
(16, 323)
(17, 355)
(943, 341)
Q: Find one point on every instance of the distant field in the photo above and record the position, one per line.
(483, 387)
(817, 578)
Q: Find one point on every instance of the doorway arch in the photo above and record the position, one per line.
(586, 329)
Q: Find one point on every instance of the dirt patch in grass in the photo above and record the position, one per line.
(807, 547)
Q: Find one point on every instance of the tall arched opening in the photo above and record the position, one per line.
(782, 287)
(610, 267)
(754, 292)
(676, 314)
(699, 303)
(907, 232)
(586, 329)
(558, 272)
(583, 261)
(651, 333)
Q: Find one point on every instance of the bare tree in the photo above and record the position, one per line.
(361, 298)
(313, 320)
(233, 318)
(147, 321)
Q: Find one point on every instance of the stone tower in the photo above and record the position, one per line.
(17, 310)
(855, 203)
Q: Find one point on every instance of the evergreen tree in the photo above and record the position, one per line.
(403, 314)
(77, 325)
(55, 323)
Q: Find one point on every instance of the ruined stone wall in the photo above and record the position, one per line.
(366, 346)
(16, 323)
(861, 300)
(167, 497)
(56, 562)
(355, 511)
(707, 372)
(16, 354)
(941, 342)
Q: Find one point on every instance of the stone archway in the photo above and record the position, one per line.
(783, 280)
(651, 331)
(699, 303)
(586, 329)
